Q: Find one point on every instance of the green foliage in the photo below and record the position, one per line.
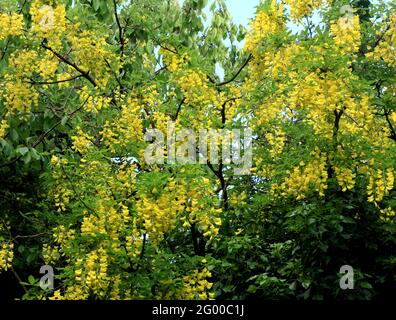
(75, 191)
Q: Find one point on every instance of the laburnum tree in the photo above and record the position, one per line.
(82, 82)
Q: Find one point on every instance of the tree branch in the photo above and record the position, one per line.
(85, 74)
(393, 132)
(238, 72)
(120, 31)
(178, 109)
(53, 82)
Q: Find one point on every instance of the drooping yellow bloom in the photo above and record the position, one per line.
(3, 128)
(346, 33)
(6, 255)
(56, 296)
(265, 24)
(386, 48)
(21, 98)
(302, 8)
(81, 141)
(194, 85)
(126, 129)
(304, 177)
(11, 25)
(345, 178)
(48, 22)
(90, 52)
(380, 184)
(196, 286)
(276, 141)
(387, 214)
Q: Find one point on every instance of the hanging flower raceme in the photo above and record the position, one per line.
(386, 47)
(304, 8)
(11, 25)
(267, 22)
(346, 34)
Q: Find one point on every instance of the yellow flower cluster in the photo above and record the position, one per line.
(3, 128)
(48, 22)
(196, 211)
(106, 221)
(380, 183)
(72, 292)
(159, 211)
(62, 239)
(276, 141)
(94, 104)
(303, 178)
(263, 169)
(345, 178)
(346, 33)
(61, 235)
(173, 61)
(90, 53)
(61, 196)
(50, 253)
(91, 277)
(21, 97)
(238, 198)
(161, 120)
(359, 118)
(158, 214)
(11, 25)
(47, 66)
(56, 296)
(321, 95)
(109, 221)
(269, 110)
(266, 23)
(82, 142)
(6, 255)
(62, 77)
(387, 214)
(115, 293)
(123, 182)
(302, 8)
(274, 63)
(196, 286)
(127, 128)
(196, 90)
(95, 271)
(386, 49)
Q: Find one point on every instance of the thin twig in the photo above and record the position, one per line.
(238, 72)
(53, 82)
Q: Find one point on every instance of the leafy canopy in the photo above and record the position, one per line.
(81, 83)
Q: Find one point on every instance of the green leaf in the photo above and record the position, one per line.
(31, 280)
(22, 150)
(14, 135)
(27, 158)
(366, 285)
(35, 155)
(96, 4)
(252, 289)
(64, 120)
